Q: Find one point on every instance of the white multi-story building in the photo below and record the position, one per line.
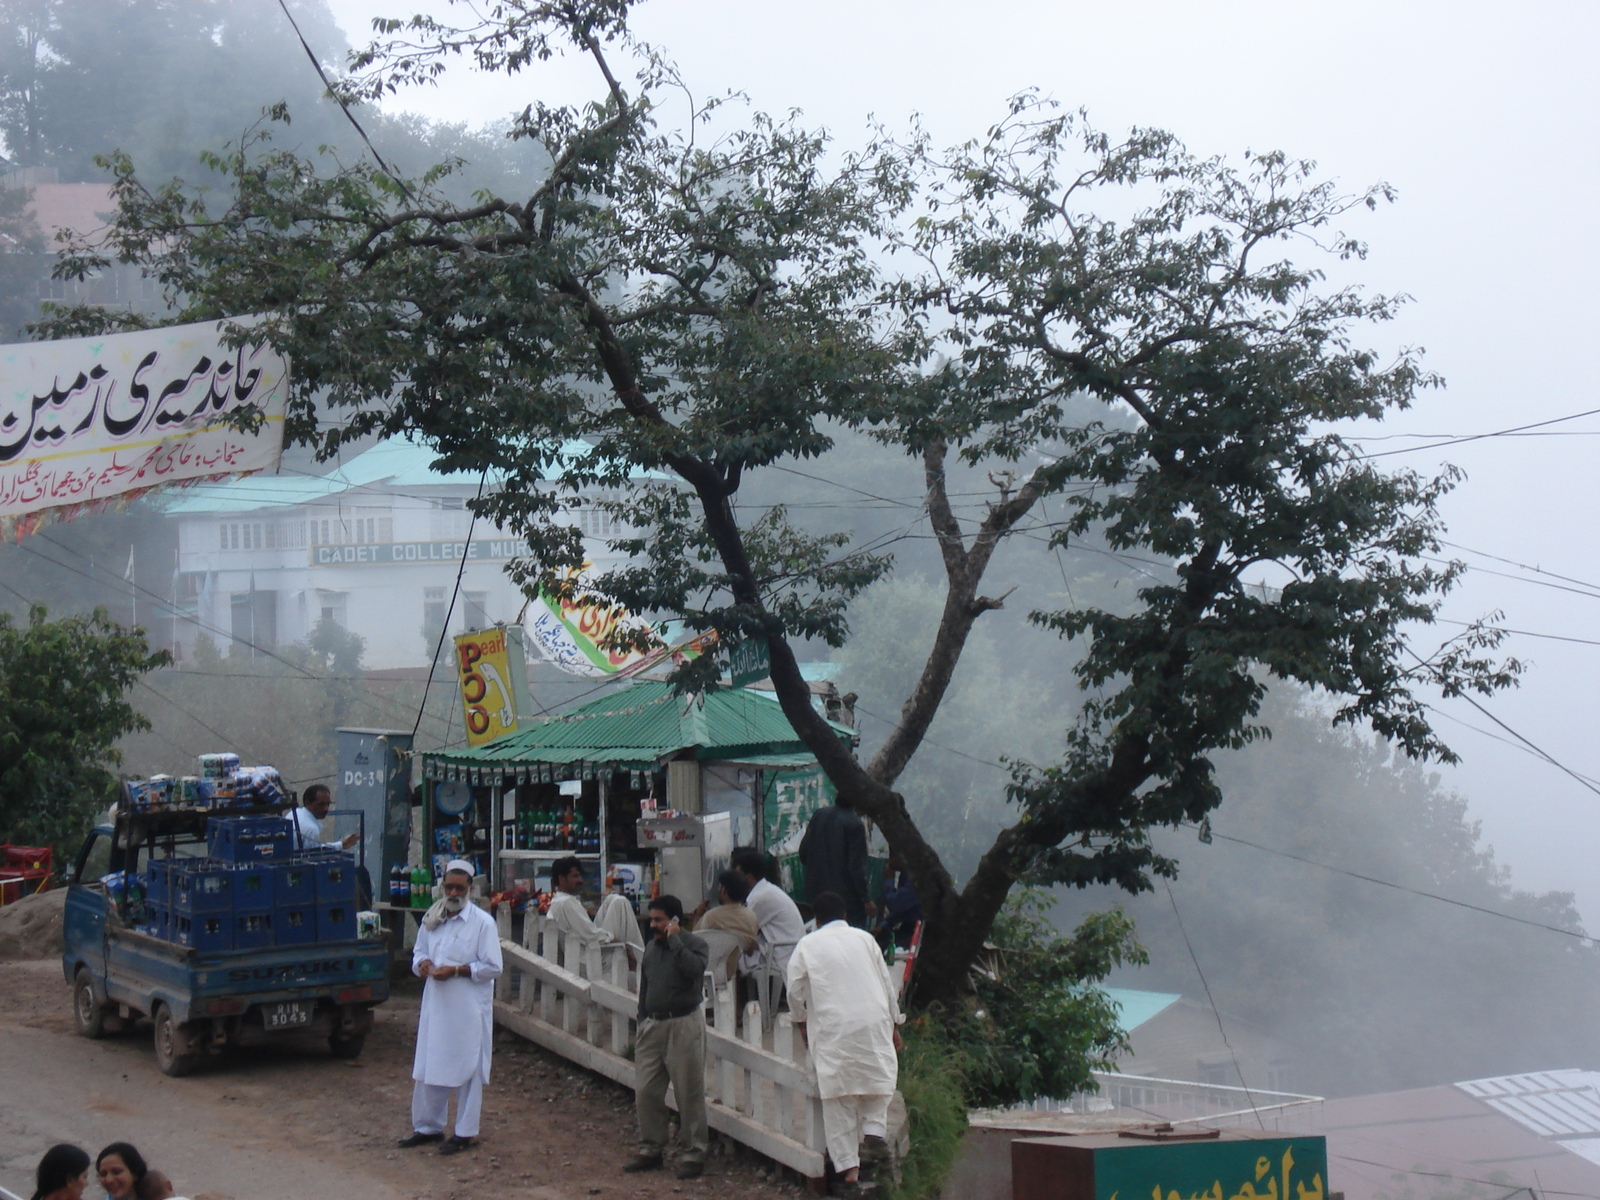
(374, 546)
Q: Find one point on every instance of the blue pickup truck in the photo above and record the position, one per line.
(201, 1002)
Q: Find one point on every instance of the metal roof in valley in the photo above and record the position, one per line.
(1554, 1104)
(1135, 1007)
(635, 729)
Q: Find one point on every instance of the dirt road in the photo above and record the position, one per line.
(293, 1123)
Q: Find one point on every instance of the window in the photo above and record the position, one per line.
(96, 861)
(333, 607)
(475, 610)
(434, 606)
(1218, 1074)
(254, 627)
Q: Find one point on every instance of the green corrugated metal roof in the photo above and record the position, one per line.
(641, 725)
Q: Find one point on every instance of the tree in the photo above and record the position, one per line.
(717, 301)
(63, 706)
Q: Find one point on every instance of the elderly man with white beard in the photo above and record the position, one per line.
(843, 1003)
(458, 953)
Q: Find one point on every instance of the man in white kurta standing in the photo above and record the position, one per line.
(843, 1002)
(458, 953)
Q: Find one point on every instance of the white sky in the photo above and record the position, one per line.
(1485, 117)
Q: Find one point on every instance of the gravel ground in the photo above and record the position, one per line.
(291, 1121)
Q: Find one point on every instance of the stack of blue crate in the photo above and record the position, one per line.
(253, 892)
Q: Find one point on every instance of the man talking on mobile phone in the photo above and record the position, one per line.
(671, 1043)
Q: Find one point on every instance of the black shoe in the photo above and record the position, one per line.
(455, 1145)
(642, 1162)
(419, 1139)
(691, 1170)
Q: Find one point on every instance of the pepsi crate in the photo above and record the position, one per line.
(252, 931)
(249, 839)
(155, 882)
(294, 883)
(157, 922)
(334, 879)
(200, 886)
(206, 932)
(336, 922)
(254, 888)
(294, 925)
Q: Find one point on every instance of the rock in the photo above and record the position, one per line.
(31, 927)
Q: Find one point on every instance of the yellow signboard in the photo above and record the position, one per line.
(492, 672)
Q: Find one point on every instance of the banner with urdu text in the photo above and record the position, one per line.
(88, 419)
(572, 634)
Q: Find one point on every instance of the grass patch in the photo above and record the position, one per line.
(932, 1082)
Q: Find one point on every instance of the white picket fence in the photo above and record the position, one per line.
(580, 1000)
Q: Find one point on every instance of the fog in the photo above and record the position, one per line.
(1485, 119)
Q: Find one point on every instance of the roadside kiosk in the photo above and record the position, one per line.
(651, 790)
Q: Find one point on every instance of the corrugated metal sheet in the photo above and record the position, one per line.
(638, 727)
(1556, 1104)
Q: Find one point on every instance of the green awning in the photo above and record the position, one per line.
(635, 729)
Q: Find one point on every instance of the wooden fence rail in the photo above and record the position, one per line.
(580, 999)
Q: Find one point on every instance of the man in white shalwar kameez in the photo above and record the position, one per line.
(458, 953)
(842, 1000)
(615, 922)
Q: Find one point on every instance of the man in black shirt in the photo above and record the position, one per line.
(834, 855)
(671, 1042)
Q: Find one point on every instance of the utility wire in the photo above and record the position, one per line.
(1205, 985)
(1400, 887)
(1477, 437)
(339, 100)
(444, 630)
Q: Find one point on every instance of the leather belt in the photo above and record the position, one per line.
(667, 1014)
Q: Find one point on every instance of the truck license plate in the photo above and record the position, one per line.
(291, 1012)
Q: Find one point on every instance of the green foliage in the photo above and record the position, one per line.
(63, 706)
(1043, 1026)
(932, 1084)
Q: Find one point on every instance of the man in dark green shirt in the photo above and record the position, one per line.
(670, 1046)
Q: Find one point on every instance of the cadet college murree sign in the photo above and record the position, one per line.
(84, 420)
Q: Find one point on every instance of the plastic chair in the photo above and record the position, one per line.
(771, 976)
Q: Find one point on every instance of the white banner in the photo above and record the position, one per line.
(85, 419)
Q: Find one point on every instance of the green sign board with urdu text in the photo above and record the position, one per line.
(1234, 1166)
(749, 661)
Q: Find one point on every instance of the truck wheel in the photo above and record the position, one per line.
(347, 1045)
(88, 1014)
(175, 1053)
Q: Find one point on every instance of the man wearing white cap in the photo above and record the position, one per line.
(458, 953)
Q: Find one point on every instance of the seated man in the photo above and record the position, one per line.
(778, 916)
(615, 921)
(731, 915)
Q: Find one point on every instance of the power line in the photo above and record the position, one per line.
(1400, 887)
(1522, 566)
(1476, 437)
(450, 611)
(339, 100)
(1195, 959)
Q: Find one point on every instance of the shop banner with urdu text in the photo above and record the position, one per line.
(571, 634)
(84, 420)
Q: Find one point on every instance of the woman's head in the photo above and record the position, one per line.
(121, 1168)
(63, 1172)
